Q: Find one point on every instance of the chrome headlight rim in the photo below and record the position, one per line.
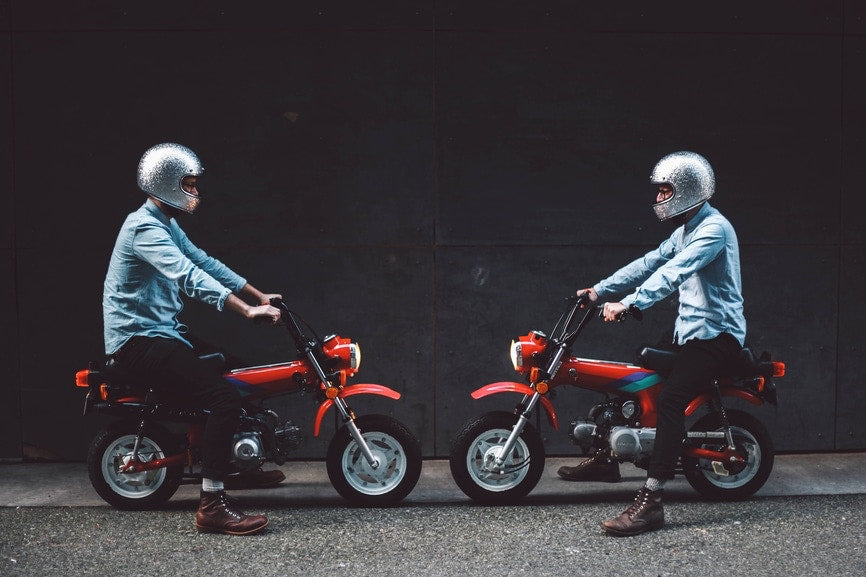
(516, 354)
(355, 356)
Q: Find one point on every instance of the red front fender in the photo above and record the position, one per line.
(728, 392)
(359, 389)
(511, 387)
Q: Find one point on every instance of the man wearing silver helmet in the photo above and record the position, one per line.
(153, 261)
(701, 261)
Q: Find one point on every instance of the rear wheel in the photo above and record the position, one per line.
(112, 449)
(731, 481)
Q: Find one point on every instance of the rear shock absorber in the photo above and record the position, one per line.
(723, 415)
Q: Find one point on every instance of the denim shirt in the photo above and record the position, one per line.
(153, 261)
(701, 260)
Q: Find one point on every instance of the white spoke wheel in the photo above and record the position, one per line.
(723, 481)
(397, 467)
(112, 449)
(478, 446)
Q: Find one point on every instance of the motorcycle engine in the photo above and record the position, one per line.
(583, 433)
(592, 432)
(288, 438)
(247, 451)
(629, 443)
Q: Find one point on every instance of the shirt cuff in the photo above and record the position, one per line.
(221, 303)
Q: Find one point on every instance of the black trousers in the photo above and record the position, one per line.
(175, 368)
(698, 362)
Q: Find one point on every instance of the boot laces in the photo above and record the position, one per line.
(641, 503)
(227, 503)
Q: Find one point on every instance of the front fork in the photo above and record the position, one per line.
(522, 418)
(347, 415)
(524, 411)
(349, 420)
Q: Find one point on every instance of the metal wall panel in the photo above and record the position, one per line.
(434, 191)
(318, 139)
(850, 385)
(7, 218)
(853, 143)
(787, 320)
(264, 15)
(557, 133)
(10, 352)
(855, 17)
(10, 406)
(636, 16)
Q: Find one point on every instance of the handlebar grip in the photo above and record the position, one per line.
(581, 300)
(632, 311)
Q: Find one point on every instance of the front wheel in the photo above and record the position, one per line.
(722, 481)
(112, 449)
(397, 453)
(477, 446)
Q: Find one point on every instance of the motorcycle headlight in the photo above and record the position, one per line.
(524, 350)
(355, 356)
(348, 353)
(516, 356)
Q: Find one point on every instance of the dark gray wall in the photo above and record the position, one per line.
(432, 179)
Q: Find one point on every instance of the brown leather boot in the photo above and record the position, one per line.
(599, 467)
(216, 515)
(645, 514)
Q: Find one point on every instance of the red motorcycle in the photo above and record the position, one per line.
(498, 457)
(137, 463)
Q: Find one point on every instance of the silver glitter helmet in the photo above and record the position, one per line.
(692, 180)
(161, 169)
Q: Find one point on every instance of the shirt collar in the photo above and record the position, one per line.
(698, 217)
(151, 207)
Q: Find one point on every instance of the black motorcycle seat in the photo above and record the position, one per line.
(655, 359)
(746, 365)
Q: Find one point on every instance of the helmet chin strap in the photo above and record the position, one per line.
(166, 209)
(686, 216)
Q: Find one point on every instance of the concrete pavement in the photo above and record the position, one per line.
(805, 521)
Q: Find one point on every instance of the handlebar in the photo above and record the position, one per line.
(290, 320)
(583, 300)
(278, 303)
(592, 310)
(633, 312)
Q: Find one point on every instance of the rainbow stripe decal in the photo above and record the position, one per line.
(638, 381)
(245, 389)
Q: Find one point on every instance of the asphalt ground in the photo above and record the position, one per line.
(807, 520)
